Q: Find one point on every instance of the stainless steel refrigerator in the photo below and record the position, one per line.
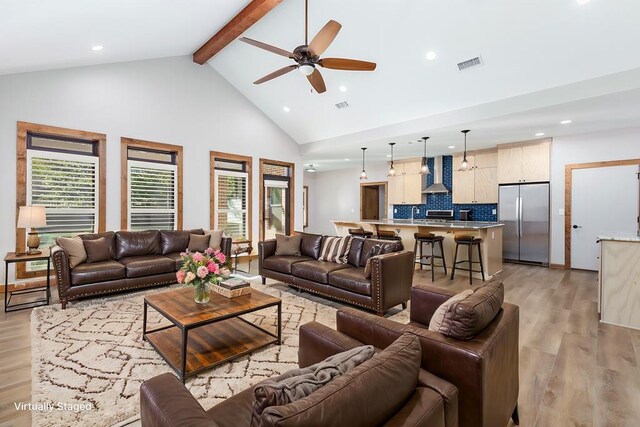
(524, 211)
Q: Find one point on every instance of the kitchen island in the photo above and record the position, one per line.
(619, 281)
(489, 232)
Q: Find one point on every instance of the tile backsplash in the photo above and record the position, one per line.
(479, 212)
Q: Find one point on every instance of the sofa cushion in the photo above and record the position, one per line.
(74, 248)
(234, 411)
(110, 238)
(215, 241)
(147, 265)
(351, 279)
(288, 245)
(368, 395)
(283, 263)
(199, 243)
(310, 245)
(176, 258)
(298, 383)
(470, 316)
(97, 272)
(174, 241)
(387, 247)
(136, 243)
(373, 252)
(97, 250)
(435, 324)
(355, 251)
(335, 249)
(315, 270)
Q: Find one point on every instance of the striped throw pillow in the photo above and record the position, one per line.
(335, 249)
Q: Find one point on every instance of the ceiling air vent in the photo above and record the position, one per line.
(341, 105)
(470, 63)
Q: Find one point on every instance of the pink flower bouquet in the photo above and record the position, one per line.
(199, 269)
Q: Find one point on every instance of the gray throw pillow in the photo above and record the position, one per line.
(299, 383)
(288, 245)
(199, 243)
(216, 239)
(74, 248)
(97, 250)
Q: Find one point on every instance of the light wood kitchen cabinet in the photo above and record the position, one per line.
(527, 163)
(479, 183)
(406, 186)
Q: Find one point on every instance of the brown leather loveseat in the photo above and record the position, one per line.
(389, 389)
(483, 366)
(389, 284)
(137, 259)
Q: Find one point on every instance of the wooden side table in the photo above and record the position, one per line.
(238, 248)
(12, 258)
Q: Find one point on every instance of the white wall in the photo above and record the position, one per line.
(336, 195)
(168, 100)
(602, 146)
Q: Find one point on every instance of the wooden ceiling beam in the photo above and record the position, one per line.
(251, 14)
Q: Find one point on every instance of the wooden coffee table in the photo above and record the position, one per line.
(202, 336)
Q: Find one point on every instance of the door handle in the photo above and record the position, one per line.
(577, 226)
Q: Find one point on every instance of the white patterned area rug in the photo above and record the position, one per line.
(89, 360)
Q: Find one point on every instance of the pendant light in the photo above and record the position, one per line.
(392, 171)
(424, 170)
(465, 164)
(363, 175)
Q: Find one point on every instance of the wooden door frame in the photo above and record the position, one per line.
(386, 195)
(568, 182)
(292, 192)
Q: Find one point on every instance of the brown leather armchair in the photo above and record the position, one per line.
(484, 369)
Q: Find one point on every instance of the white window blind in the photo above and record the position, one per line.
(152, 196)
(275, 183)
(231, 201)
(67, 185)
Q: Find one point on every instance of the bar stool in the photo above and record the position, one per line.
(388, 235)
(469, 241)
(360, 232)
(430, 239)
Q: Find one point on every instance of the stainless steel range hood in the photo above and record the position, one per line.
(438, 186)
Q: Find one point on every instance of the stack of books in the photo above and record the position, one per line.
(232, 288)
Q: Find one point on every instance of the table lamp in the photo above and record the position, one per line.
(32, 217)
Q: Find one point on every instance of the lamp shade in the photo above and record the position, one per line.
(32, 217)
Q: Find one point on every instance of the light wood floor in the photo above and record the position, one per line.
(574, 371)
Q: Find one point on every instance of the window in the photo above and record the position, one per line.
(231, 195)
(63, 171)
(153, 186)
(276, 198)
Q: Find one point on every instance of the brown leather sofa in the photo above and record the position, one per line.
(484, 369)
(389, 285)
(139, 259)
(165, 402)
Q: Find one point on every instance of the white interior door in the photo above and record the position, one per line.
(603, 201)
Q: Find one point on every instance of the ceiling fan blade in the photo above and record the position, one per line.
(317, 81)
(347, 64)
(268, 47)
(324, 38)
(275, 74)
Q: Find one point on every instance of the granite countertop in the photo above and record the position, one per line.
(621, 238)
(428, 223)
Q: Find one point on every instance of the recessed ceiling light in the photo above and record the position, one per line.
(565, 122)
(96, 48)
(581, 2)
(388, 155)
(342, 88)
(540, 134)
(451, 147)
(431, 55)
(286, 109)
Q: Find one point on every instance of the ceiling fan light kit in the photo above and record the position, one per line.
(465, 164)
(307, 56)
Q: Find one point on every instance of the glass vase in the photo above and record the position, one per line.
(201, 292)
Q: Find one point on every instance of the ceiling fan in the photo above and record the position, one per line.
(307, 56)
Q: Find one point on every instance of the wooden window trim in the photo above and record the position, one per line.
(21, 179)
(292, 202)
(248, 161)
(125, 144)
(568, 183)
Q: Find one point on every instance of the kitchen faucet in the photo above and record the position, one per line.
(412, 210)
